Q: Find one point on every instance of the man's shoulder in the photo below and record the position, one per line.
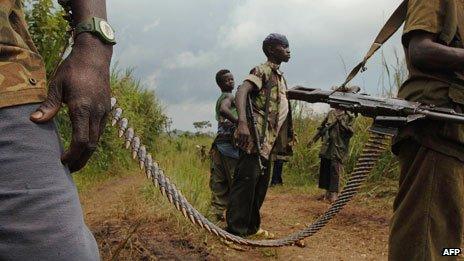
(331, 113)
(331, 116)
(261, 69)
(227, 96)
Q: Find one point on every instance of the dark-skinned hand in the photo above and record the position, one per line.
(82, 83)
(243, 136)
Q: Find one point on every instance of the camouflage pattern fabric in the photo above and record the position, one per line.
(267, 76)
(22, 72)
(336, 140)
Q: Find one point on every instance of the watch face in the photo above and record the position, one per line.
(107, 30)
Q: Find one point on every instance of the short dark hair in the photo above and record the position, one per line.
(274, 39)
(220, 75)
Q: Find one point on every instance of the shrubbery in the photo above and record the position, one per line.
(49, 32)
(303, 167)
(141, 106)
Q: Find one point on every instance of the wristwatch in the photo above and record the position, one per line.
(98, 27)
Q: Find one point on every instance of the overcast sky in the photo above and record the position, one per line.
(177, 46)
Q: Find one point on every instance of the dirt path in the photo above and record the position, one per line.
(123, 223)
(119, 218)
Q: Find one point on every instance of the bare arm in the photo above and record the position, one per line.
(225, 109)
(243, 132)
(425, 53)
(82, 83)
(84, 10)
(241, 100)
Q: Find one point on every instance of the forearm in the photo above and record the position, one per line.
(227, 113)
(427, 54)
(241, 101)
(86, 9)
(83, 10)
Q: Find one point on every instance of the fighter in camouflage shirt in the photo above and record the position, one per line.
(40, 213)
(249, 187)
(337, 130)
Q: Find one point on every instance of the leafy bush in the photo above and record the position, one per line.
(48, 30)
(303, 167)
(141, 107)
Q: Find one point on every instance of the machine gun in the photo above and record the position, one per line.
(388, 113)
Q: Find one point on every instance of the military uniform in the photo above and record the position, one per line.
(250, 185)
(338, 130)
(40, 213)
(22, 72)
(224, 157)
(429, 208)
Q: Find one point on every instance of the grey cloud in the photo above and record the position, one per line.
(177, 46)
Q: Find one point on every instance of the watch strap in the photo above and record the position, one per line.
(92, 26)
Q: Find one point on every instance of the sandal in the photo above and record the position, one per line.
(264, 233)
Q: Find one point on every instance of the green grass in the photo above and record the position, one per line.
(146, 116)
(182, 163)
(303, 167)
(48, 30)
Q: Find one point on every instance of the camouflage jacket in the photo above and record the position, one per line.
(268, 78)
(336, 139)
(22, 72)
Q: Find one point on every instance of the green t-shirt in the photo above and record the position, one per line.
(225, 127)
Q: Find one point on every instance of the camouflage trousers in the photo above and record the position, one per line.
(429, 208)
(222, 171)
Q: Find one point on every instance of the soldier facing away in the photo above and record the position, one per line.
(224, 154)
(267, 87)
(429, 209)
(41, 216)
(336, 131)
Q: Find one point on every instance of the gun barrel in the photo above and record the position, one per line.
(308, 95)
(375, 107)
(441, 116)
